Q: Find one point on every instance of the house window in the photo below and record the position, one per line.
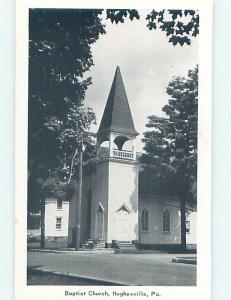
(59, 204)
(144, 219)
(187, 226)
(166, 220)
(58, 223)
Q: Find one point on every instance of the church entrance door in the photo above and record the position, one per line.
(123, 224)
(99, 226)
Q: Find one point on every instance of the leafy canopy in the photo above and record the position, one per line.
(171, 142)
(59, 57)
(179, 25)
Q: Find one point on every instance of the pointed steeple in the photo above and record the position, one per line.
(117, 114)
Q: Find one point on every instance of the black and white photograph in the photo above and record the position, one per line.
(113, 142)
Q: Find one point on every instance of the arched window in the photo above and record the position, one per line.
(99, 222)
(166, 220)
(123, 209)
(100, 209)
(144, 219)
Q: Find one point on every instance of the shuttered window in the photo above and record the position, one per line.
(58, 223)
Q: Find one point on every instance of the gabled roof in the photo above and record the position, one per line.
(117, 114)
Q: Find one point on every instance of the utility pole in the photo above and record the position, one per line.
(79, 198)
(183, 223)
(42, 220)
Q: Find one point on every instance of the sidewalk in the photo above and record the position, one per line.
(71, 251)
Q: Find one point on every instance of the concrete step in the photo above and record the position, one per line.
(124, 242)
(125, 245)
(92, 244)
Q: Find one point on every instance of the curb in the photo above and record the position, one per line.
(71, 251)
(189, 261)
(88, 278)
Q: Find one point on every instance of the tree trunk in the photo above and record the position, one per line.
(183, 223)
(42, 242)
(79, 198)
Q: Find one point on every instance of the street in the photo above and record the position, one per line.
(129, 269)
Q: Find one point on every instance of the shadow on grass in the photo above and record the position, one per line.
(35, 276)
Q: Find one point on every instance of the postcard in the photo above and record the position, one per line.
(113, 150)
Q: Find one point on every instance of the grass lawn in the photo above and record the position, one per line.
(35, 277)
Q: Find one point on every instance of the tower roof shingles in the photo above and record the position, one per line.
(117, 114)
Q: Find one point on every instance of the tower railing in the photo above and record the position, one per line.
(123, 154)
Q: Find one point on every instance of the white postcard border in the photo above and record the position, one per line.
(203, 288)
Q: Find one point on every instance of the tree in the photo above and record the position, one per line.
(171, 144)
(70, 136)
(59, 56)
(179, 25)
(73, 136)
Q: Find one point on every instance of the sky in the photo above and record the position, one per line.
(147, 63)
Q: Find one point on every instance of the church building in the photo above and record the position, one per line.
(115, 208)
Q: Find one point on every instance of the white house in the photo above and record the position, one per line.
(113, 208)
(56, 221)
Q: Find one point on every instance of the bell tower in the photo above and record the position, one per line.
(114, 214)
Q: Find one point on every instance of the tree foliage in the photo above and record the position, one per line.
(179, 25)
(120, 15)
(171, 142)
(171, 145)
(72, 135)
(59, 57)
